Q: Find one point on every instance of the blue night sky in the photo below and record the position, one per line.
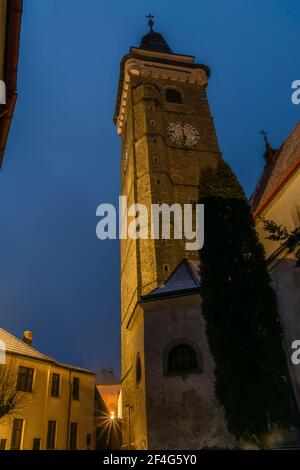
(62, 158)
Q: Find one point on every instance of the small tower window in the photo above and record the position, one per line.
(173, 96)
(138, 370)
(181, 358)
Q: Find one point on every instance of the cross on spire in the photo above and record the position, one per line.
(150, 22)
(270, 152)
(265, 136)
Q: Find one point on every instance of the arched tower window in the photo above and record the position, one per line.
(173, 96)
(182, 357)
(138, 370)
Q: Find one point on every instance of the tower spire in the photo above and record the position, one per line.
(270, 151)
(150, 22)
(265, 136)
(154, 41)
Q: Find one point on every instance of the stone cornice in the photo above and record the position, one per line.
(182, 70)
(188, 59)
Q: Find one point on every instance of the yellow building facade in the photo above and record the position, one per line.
(55, 409)
(277, 198)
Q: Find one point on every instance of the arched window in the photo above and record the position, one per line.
(182, 357)
(138, 370)
(173, 96)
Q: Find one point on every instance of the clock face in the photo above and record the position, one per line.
(183, 134)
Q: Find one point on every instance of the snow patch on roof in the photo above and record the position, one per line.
(14, 345)
(185, 277)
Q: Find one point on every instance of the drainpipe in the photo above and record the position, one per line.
(44, 438)
(69, 410)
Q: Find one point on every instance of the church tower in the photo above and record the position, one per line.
(168, 136)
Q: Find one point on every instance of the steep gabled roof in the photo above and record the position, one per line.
(184, 279)
(277, 173)
(14, 345)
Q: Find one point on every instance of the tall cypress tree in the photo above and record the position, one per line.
(240, 308)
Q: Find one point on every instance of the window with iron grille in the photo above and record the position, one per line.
(182, 357)
(25, 379)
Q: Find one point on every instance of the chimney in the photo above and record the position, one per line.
(27, 337)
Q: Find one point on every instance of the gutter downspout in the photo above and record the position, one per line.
(46, 407)
(69, 410)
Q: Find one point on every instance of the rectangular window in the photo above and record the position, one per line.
(73, 436)
(3, 444)
(16, 434)
(36, 443)
(51, 435)
(25, 379)
(75, 388)
(55, 385)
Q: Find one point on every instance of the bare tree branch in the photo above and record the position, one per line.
(11, 401)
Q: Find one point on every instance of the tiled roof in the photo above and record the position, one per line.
(74, 368)
(14, 345)
(185, 277)
(277, 173)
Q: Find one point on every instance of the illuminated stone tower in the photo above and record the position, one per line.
(168, 136)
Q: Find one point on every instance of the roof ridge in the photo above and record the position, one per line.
(189, 265)
(182, 278)
(29, 351)
(277, 189)
(25, 344)
(278, 172)
(183, 261)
